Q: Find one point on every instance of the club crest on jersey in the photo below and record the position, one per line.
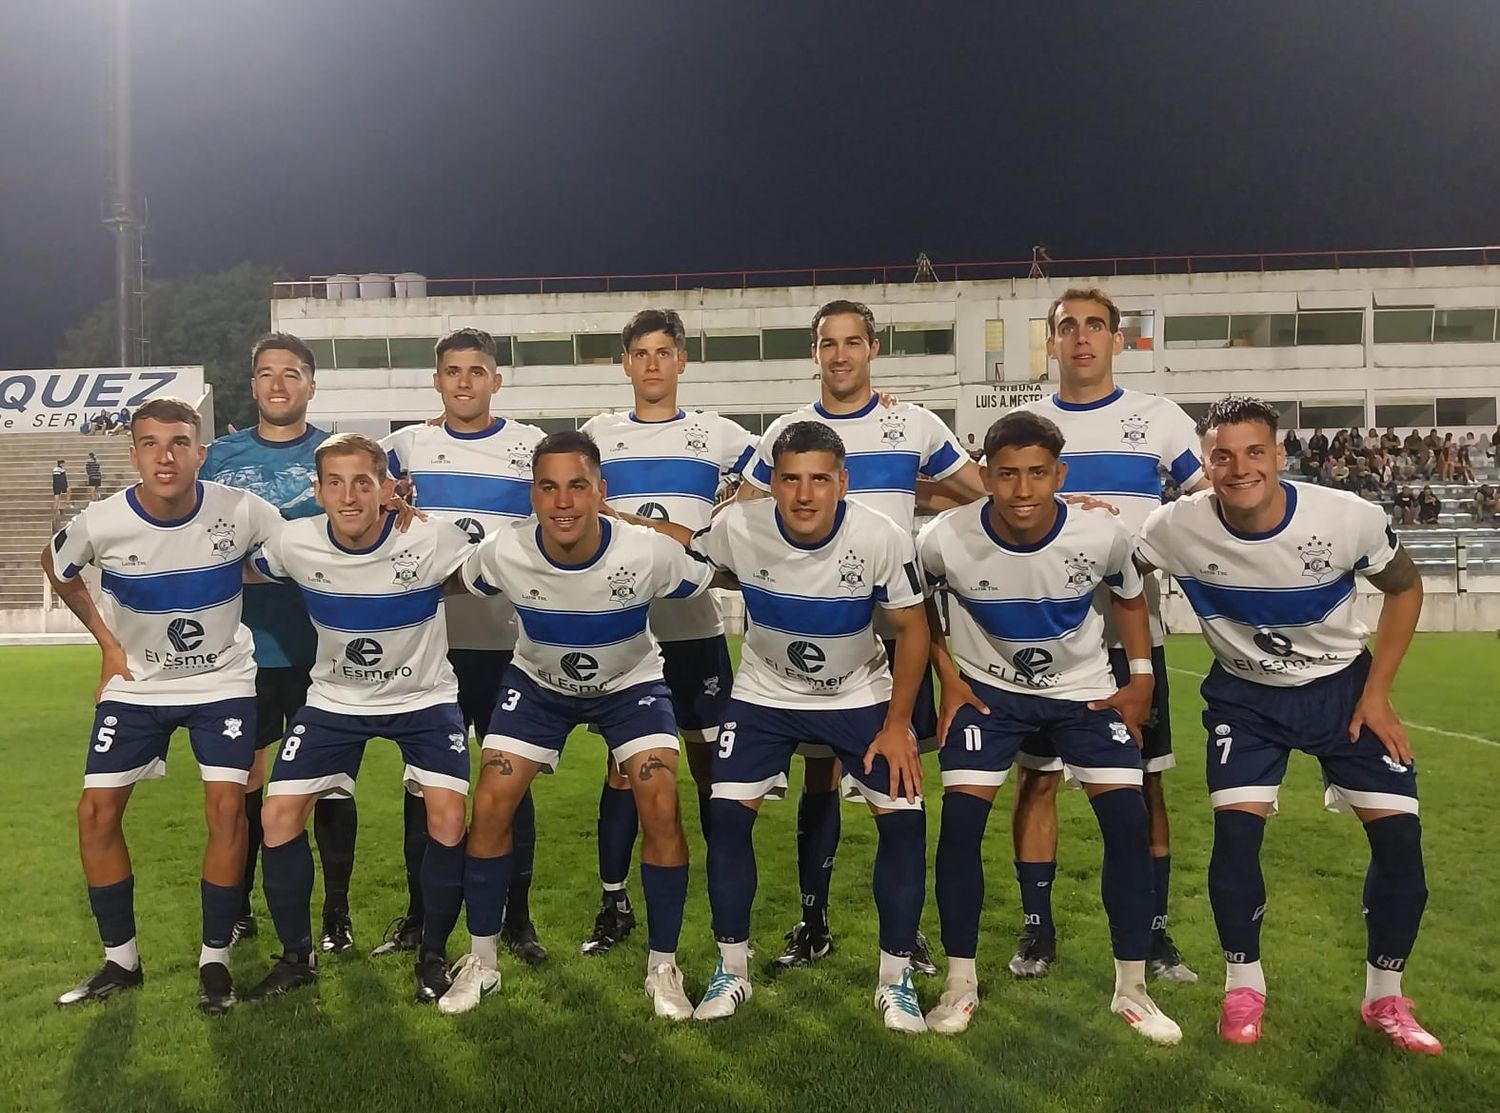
(232, 728)
(1317, 558)
(1080, 573)
(851, 571)
(1133, 431)
(622, 586)
(406, 564)
(893, 429)
(221, 537)
(697, 439)
(457, 742)
(519, 460)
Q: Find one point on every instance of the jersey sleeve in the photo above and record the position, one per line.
(930, 557)
(1120, 573)
(268, 559)
(759, 472)
(479, 567)
(942, 455)
(895, 580)
(713, 543)
(398, 451)
(678, 573)
(1375, 542)
(1154, 542)
(1180, 448)
(739, 445)
(264, 520)
(72, 548)
(451, 548)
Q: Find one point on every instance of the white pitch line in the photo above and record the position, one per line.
(1409, 722)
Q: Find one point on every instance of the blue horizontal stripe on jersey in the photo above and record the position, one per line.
(192, 589)
(802, 614)
(1184, 466)
(1028, 620)
(682, 476)
(369, 614)
(745, 457)
(940, 461)
(482, 494)
(582, 629)
(684, 590)
(1262, 607)
(882, 471)
(1112, 473)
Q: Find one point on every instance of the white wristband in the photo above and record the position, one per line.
(1141, 666)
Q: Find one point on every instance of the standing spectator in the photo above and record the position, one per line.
(1428, 507)
(1406, 507)
(60, 487)
(1293, 444)
(95, 475)
(1317, 445)
(1482, 449)
(1495, 445)
(1390, 440)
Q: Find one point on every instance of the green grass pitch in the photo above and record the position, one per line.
(578, 1034)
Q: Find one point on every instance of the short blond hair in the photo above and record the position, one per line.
(169, 411)
(1078, 293)
(349, 444)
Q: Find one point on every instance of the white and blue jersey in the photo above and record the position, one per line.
(382, 635)
(810, 640)
(175, 588)
(1025, 620)
(672, 470)
(282, 473)
(583, 627)
(1116, 449)
(480, 481)
(886, 450)
(1277, 607)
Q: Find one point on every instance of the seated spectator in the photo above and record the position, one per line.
(1339, 446)
(1495, 444)
(1424, 463)
(1487, 502)
(1390, 440)
(1325, 471)
(1311, 466)
(1363, 483)
(1317, 445)
(1356, 440)
(1432, 440)
(1412, 443)
(974, 449)
(1428, 507)
(1406, 507)
(1482, 448)
(1293, 444)
(1339, 476)
(1446, 462)
(1463, 465)
(1403, 468)
(1372, 439)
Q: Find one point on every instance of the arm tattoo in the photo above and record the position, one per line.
(500, 763)
(650, 766)
(1397, 576)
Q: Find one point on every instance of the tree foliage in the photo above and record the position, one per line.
(208, 319)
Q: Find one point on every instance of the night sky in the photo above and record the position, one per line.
(459, 137)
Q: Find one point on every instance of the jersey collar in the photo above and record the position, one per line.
(478, 435)
(385, 532)
(861, 412)
(678, 416)
(1286, 519)
(135, 504)
(1097, 404)
(1035, 546)
(838, 524)
(310, 431)
(605, 531)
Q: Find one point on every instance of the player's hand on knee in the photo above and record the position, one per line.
(1132, 703)
(1374, 711)
(899, 748)
(956, 696)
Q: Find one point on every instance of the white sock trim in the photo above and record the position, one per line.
(1244, 975)
(1381, 983)
(207, 954)
(1130, 976)
(487, 949)
(892, 967)
(660, 958)
(124, 955)
(962, 971)
(736, 958)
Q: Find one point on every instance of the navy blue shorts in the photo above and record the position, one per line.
(1253, 729)
(699, 675)
(756, 744)
(321, 753)
(279, 694)
(129, 741)
(534, 722)
(1156, 754)
(924, 717)
(1095, 746)
(478, 672)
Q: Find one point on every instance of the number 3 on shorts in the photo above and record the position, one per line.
(512, 697)
(726, 738)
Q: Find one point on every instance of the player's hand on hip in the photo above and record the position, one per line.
(112, 665)
(956, 696)
(1089, 502)
(1375, 713)
(1132, 703)
(899, 748)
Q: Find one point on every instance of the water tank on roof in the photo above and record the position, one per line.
(409, 284)
(374, 285)
(342, 286)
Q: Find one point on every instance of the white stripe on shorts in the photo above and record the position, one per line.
(335, 784)
(544, 757)
(153, 770)
(1337, 799)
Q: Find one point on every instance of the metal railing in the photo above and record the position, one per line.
(880, 274)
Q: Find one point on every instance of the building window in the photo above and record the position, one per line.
(1198, 331)
(1406, 414)
(1457, 326)
(598, 347)
(785, 343)
(720, 347)
(1403, 326)
(361, 353)
(1337, 327)
(1466, 411)
(1333, 415)
(1139, 329)
(921, 340)
(413, 351)
(544, 350)
(994, 350)
(1265, 330)
(1262, 330)
(322, 351)
(1036, 349)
